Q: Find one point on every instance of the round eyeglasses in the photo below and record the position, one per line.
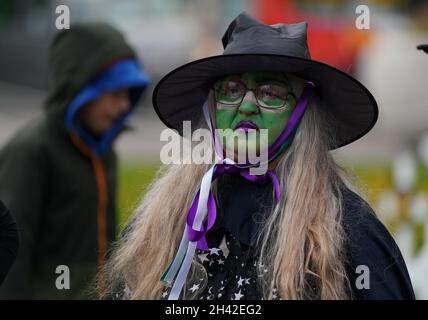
(269, 95)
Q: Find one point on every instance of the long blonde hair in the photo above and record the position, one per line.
(301, 247)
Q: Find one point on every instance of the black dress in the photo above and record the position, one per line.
(9, 241)
(231, 259)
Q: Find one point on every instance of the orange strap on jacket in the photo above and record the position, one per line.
(101, 182)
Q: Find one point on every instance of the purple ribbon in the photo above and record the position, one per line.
(294, 119)
(220, 169)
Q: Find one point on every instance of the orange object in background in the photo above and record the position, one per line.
(333, 39)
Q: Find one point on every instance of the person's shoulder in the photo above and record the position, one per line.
(369, 244)
(358, 216)
(2, 208)
(362, 226)
(365, 234)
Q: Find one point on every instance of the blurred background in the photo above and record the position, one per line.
(391, 162)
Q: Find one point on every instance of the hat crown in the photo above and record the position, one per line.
(248, 35)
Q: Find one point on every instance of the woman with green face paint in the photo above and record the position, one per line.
(294, 231)
(248, 103)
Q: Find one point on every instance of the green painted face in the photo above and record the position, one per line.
(268, 105)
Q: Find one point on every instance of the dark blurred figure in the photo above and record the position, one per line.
(9, 241)
(423, 47)
(58, 173)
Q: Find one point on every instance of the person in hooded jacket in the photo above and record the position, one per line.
(58, 173)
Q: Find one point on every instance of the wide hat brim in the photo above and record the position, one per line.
(351, 109)
(423, 47)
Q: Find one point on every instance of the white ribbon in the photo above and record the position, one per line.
(179, 268)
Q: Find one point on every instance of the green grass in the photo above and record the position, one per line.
(133, 180)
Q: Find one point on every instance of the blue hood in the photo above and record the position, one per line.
(123, 74)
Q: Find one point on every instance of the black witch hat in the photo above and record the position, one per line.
(250, 45)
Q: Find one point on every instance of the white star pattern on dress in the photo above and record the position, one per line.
(194, 288)
(214, 251)
(238, 295)
(274, 294)
(223, 247)
(127, 291)
(240, 282)
(235, 283)
(164, 294)
(203, 257)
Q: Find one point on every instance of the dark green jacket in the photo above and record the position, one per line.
(49, 184)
